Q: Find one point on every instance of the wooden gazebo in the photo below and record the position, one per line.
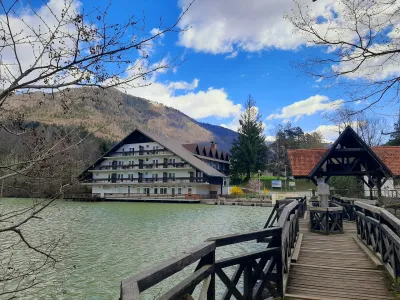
(348, 156)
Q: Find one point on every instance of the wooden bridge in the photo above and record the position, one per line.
(349, 251)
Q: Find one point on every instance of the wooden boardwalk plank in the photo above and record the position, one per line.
(334, 267)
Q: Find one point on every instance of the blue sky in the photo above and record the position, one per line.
(233, 50)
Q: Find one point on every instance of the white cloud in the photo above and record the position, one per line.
(198, 104)
(329, 132)
(183, 85)
(211, 102)
(25, 27)
(220, 26)
(232, 55)
(377, 68)
(270, 138)
(307, 107)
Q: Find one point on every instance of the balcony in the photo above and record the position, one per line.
(149, 180)
(143, 166)
(142, 152)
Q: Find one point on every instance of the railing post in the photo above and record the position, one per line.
(248, 282)
(211, 287)
(208, 259)
(327, 221)
(279, 266)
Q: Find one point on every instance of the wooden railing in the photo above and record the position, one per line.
(261, 270)
(380, 231)
(326, 220)
(280, 205)
(349, 211)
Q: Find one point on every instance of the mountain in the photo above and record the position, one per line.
(112, 115)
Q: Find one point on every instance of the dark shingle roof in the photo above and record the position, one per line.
(207, 152)
(175, 147)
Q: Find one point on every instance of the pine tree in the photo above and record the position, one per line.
(395, 135)
(249, 150)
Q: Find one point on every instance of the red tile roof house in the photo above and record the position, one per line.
(303, 162)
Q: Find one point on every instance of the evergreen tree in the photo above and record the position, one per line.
(395, 135)
(249, 150)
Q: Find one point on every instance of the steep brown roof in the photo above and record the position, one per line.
(191, 147)
(390, 156)
(302, 161)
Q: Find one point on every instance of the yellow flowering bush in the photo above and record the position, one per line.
(236, 190)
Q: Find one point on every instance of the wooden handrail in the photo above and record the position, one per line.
(182, 288)
(244, 237)
(275, 258)
(231, 261)
(287, 210)
(380, 230)
(167, 268)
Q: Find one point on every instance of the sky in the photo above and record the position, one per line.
(230, 50)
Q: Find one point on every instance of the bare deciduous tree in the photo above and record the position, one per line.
(369, 127)
(361, 40)
(52, 49)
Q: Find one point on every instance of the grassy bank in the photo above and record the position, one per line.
(301, 184)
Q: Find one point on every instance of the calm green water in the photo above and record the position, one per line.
(104, 243)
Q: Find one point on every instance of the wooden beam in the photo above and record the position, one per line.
(296, 251)
(231, 261)
(346, 150)
(130, 291)
(185, 285)
(362, 178)
(352, 173)
(244, 237)
(171, 266)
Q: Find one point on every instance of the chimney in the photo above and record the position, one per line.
(213, 145)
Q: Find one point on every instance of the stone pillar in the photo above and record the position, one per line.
(323, 192)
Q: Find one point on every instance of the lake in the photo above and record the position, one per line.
(104, 243)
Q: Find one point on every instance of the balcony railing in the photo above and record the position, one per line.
(148, 180)
(140, 152)
(145, 166)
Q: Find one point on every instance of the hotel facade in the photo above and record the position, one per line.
(146, 164)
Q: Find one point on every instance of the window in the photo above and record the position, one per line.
(189, 191)
(163, 191)
(109, 177)
(138, 190)
(155, 190)
(179, 191)
(147, 146)
(147, 159)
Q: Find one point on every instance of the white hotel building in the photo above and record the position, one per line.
(146, 164)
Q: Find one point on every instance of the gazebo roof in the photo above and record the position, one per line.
(348, 156)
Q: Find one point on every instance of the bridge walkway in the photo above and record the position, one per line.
(334, 267)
